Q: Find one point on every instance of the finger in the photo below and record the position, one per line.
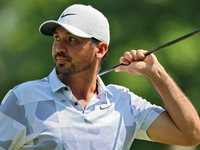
(134, 55)
(123, 60)
(128, 56)
(141, 54)
(122, 67)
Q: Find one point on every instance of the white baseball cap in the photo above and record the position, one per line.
(82, 21)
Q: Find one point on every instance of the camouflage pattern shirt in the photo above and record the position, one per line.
(44, 114)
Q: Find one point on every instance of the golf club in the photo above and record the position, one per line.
(156, 49)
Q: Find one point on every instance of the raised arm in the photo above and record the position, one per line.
(180, 124)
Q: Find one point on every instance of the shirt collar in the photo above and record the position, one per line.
(102, 89)
(55, 82)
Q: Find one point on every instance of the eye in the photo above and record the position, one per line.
(57, 38)
(72, 39)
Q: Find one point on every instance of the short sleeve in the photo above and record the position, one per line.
(12, 123)
(146, 114)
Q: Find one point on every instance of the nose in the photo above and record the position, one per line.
(60, 47)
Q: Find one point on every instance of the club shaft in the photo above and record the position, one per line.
(156, 49)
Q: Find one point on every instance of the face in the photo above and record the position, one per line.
(72, 54)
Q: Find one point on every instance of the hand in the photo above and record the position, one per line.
(136, 63)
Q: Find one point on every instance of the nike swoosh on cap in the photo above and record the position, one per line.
(64, 15)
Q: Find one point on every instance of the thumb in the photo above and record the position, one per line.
(121, 67)
(117, 69)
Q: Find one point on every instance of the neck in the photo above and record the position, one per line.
(83, 85)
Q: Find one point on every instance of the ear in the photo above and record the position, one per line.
(102, 50)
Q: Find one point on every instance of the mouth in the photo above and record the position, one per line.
(61, 58)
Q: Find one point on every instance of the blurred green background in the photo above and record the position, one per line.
(25, 54)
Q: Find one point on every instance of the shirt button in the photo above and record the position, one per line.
(75, 103)
(66, 88)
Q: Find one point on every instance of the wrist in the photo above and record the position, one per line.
(156, 72)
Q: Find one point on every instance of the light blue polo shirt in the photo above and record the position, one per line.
(45, 114)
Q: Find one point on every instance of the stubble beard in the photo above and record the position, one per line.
(84, 64)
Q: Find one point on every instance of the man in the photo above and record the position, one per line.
(73, 109)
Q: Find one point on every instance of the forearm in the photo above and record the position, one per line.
(178, 106)
(181, 124)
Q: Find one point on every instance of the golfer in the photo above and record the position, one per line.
(72, 109)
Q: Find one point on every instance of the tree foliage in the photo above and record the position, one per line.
(25, 54)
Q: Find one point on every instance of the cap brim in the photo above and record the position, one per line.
(48, 28)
